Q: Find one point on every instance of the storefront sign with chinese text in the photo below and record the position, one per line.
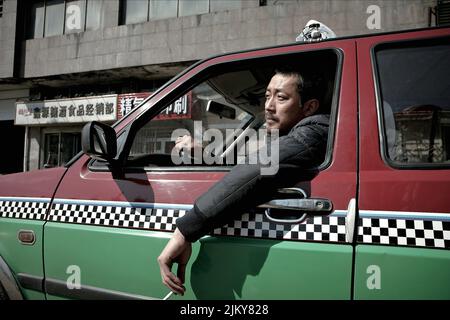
(180, 109)
(75, 110)
(129, 101)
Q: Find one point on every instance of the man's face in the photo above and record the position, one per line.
(282, 108)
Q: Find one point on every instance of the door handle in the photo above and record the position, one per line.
(311, 205)
(297, 201)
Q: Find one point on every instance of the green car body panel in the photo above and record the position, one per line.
(23, 259)
(220, 267)
(383, 271)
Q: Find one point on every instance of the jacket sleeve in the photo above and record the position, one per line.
(244, 187)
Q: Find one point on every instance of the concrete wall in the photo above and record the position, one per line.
(7, 38)
(199, 36)
(8, 102)
(32, 155)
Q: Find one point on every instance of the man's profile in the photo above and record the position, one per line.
(292, 108)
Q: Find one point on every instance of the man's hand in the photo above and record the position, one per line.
(178, 250)
(184, 142)
(187, 144)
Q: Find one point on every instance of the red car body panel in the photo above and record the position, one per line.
(185, 187)
(34, 184)
(381, 186)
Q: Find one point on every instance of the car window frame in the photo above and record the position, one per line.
(129, 131)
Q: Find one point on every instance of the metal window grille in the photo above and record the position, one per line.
(1, 8)
(443, 13)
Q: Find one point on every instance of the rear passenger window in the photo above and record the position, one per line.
(414, 97)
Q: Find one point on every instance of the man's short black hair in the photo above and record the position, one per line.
(291, 72)
(308, 86)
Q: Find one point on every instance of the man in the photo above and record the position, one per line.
(291, 109)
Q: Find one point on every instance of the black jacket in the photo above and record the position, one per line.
(243, 188)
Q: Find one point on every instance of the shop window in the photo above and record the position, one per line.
(94, 14)
(60, 147)
(276, 2)
(36, 25)
(75, 16)
(54, 17)
(443, 13)
(136, 11)
(189, 7)
(163, 9)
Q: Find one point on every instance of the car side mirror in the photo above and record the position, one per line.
(221, 110)
(99, 141)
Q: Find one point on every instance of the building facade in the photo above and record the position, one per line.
(66, 62)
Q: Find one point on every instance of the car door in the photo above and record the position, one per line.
(25, 200)
(107, 227)
(404, 208)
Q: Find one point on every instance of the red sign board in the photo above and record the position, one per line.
(128, 101)
(180, 109)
